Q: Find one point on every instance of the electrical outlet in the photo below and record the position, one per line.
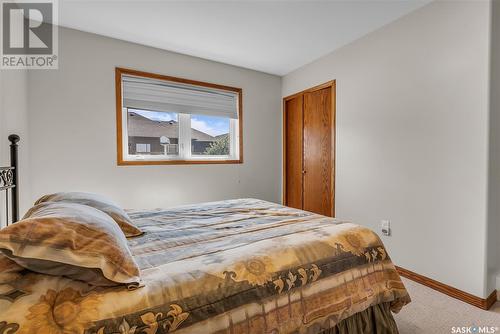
(385, 226)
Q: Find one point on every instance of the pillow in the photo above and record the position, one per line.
(98, 202)
(72, 240)
(9, 271)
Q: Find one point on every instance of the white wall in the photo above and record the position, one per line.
(14, 119)
(73, 131)
(412, 132)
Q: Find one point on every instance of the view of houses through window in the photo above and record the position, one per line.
(148, 128)
(212, 135)
(157, 133)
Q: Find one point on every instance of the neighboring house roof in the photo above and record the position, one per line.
(140, 126)
(222, 136)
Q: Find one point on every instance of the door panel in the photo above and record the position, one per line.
(293, 151)
(318, 183)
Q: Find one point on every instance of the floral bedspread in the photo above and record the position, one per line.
(236, 266)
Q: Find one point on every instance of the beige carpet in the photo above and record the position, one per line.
(433, 312)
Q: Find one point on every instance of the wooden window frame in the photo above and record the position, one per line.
(119, 119)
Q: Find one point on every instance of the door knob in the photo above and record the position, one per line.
(303, 172)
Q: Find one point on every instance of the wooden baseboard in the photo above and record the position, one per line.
(485, 304)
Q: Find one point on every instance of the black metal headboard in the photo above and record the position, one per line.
(9, 182)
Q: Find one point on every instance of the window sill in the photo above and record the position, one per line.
(176, 162)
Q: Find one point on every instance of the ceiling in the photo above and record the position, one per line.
(276, 37)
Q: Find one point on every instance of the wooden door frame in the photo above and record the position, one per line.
(332, 85)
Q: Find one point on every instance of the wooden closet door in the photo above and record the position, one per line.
(318, 132)
(293, 136)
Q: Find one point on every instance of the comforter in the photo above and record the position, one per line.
(236, 266)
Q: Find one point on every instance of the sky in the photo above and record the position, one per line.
(214, 126)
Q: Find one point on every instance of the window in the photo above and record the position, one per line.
(143, 148)
(166, 120)
(152, 133)
(217, 143)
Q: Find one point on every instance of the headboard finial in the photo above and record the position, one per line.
(14, 138)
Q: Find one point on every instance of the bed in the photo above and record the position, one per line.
(235, 266)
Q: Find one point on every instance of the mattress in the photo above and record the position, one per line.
(236, 266)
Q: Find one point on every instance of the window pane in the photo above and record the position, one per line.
(152, 132)
(210, 135)
(143, 148)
